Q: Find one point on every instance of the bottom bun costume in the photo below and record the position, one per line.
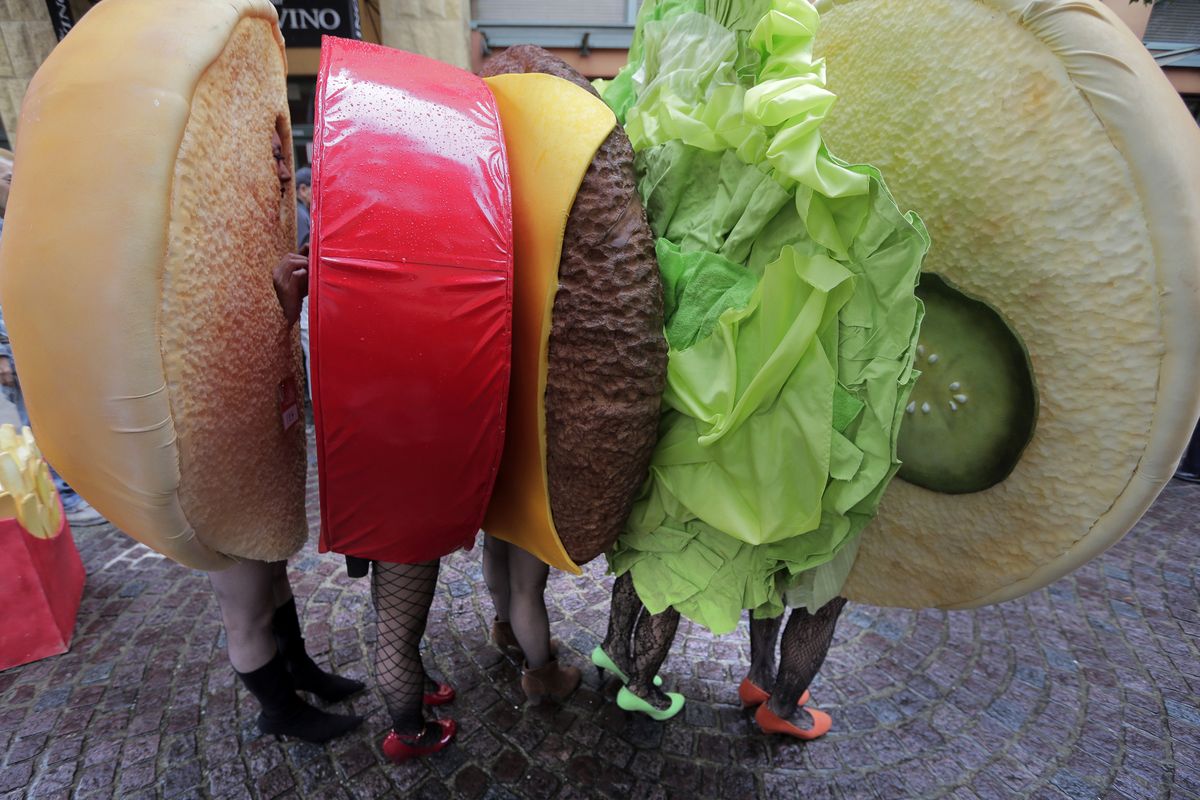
(157, 365)
(152, 358)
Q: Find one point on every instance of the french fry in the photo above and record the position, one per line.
(26, 489)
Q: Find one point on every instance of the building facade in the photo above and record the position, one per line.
(29, 29)
(1171, 32)
(592, 35)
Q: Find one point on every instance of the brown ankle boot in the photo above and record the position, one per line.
(504, 638)
(550, 680)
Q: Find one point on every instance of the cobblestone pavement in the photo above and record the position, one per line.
(1086, 689)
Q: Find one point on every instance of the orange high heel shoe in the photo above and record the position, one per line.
(770, 722)
(751, 694)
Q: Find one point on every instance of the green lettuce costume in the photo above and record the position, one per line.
(791, 317)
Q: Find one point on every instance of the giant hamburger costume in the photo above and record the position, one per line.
(791, 307)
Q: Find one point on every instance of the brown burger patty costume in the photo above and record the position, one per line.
(607, 354)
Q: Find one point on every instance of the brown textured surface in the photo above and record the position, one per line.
(225, 345)
(608, 357)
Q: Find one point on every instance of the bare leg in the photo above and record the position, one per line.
(247, 599)
(622, 617)
(652, 641)
(764, 635)
(802, 651)
(495, 574)
(244, 593)
(527, 576)
(402, 594)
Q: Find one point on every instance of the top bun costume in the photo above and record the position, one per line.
(1057, 363)
(151, 345)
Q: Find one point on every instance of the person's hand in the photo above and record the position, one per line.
(8, 377)
(291, 285)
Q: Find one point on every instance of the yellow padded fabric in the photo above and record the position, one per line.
(552, 130)
(89, 238)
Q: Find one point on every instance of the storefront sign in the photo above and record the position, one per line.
(304, 22)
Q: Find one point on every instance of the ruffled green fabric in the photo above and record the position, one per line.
(791, 317)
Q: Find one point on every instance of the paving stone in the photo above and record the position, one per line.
(96, 780)
(471, 782)
(135, 777)
(275, 782)
(26, 748)
(16, 777)
(1085, 689)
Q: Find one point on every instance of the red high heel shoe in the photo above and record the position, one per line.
(751, 694)
(402, 748)
(444, 694)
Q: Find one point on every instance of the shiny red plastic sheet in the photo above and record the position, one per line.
(410, 301)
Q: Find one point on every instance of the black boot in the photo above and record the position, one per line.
(283, 712)
(307, 676)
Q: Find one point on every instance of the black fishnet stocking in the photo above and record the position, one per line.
(402, 594)
(626, 607)
(764, 633)
(802, 651)
(652, 639)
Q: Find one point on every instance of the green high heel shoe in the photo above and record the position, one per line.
(603, 662)
(631, 702)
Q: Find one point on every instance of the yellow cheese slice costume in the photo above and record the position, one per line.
(552, 130)
(145, 218)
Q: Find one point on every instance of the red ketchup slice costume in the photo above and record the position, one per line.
(410, 302)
